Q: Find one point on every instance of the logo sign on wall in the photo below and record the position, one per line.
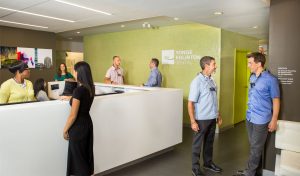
(167, 56)
(179, 57)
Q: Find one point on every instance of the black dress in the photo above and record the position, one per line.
(80, 151)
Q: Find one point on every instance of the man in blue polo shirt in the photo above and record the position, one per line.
(204, 114)
(263, 109)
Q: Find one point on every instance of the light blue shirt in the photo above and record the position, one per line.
(203, 92)
(262, 90)
(154, 79)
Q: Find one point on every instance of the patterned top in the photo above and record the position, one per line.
(115, 75)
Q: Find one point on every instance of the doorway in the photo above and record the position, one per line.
(71, 59)
(241, 81)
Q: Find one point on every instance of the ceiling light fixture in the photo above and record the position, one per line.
(24, 24)
(122, 26)
(83, 7)
(176, 19)
(35, 14)
(78, 32)
(218, 13)
(255, 27)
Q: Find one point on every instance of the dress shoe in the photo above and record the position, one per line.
(197, 172)
(212, 167)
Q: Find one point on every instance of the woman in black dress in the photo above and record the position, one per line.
(79, 126)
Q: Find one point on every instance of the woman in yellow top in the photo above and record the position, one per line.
(18, 88)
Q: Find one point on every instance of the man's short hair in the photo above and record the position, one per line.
(115, 57)
(258, 57)
(205, 60)
(155, 61)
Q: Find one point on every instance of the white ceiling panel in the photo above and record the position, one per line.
(20, 4)
(4, 12)
(62, 11)
(24, 27)
(239, 15)
(53, 25)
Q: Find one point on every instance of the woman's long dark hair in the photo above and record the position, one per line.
(39, 84)
(59, 70)
(84, 76)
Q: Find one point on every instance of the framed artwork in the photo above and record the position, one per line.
(33, 57)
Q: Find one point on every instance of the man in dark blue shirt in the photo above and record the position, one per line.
(263, 109)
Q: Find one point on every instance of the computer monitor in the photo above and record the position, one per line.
(69, 88)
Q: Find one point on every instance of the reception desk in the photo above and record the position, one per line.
(129, 125)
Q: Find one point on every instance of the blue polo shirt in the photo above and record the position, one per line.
(262, 90)
(203, 92)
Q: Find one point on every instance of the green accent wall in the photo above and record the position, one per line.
(137, 47)
(229, 42)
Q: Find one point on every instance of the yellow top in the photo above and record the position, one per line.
(13, 92)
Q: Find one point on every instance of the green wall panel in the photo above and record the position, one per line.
(229, 42)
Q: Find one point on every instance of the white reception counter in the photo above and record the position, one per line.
(127, 127)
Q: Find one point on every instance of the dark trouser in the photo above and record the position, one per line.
(204, 136)
(257, 135)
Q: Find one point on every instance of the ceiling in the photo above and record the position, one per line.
(249, 17)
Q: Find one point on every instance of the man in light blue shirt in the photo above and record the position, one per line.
(155, 77)
(204, 114)
(263, 109)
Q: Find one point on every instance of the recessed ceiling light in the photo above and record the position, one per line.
(122, 26)
(70, 38)
(35, 14)
(145, 24)
(218, 13)
(24, 24)
(83, 7)
(255, 27)
(176, 18)
(78, 32)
